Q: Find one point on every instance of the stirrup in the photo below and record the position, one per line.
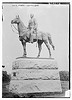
(31, 42)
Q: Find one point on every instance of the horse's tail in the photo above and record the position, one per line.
(50, 41)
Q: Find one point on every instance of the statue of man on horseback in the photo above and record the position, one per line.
(32, 26)
(30, 35)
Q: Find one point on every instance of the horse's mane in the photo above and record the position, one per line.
(22, 24)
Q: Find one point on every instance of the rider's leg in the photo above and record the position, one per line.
(31, 37)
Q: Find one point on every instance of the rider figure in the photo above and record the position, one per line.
(32, 26)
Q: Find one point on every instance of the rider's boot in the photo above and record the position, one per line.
(31, 39)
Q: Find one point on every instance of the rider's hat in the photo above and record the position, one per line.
(17, 16)
(31, 15)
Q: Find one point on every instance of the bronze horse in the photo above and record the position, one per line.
(24, 37)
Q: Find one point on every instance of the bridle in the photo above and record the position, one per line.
(12, 26)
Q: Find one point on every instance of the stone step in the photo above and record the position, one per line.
(35, 74)
(34, 64)
(34, 86)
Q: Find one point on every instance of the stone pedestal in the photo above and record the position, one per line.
(35, 75)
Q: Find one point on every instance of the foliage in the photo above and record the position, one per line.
(64, 75)
(5, 77)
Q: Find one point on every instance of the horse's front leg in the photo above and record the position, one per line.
(40, 47)
(24, 49)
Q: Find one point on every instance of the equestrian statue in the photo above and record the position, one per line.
(30, 34)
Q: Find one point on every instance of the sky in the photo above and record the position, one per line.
(50, 18)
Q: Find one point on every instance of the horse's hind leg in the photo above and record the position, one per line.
(40, 47)
(48, 47)
(51, 43)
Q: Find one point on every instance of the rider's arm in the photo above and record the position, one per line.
(29, 24)
(36, 25)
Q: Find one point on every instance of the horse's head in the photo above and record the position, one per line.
(16, 20)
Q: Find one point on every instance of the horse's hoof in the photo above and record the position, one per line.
(24, 56)
(49, 56)
(38, 56)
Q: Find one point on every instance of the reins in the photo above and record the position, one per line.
(18, 33)
(14, 28)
